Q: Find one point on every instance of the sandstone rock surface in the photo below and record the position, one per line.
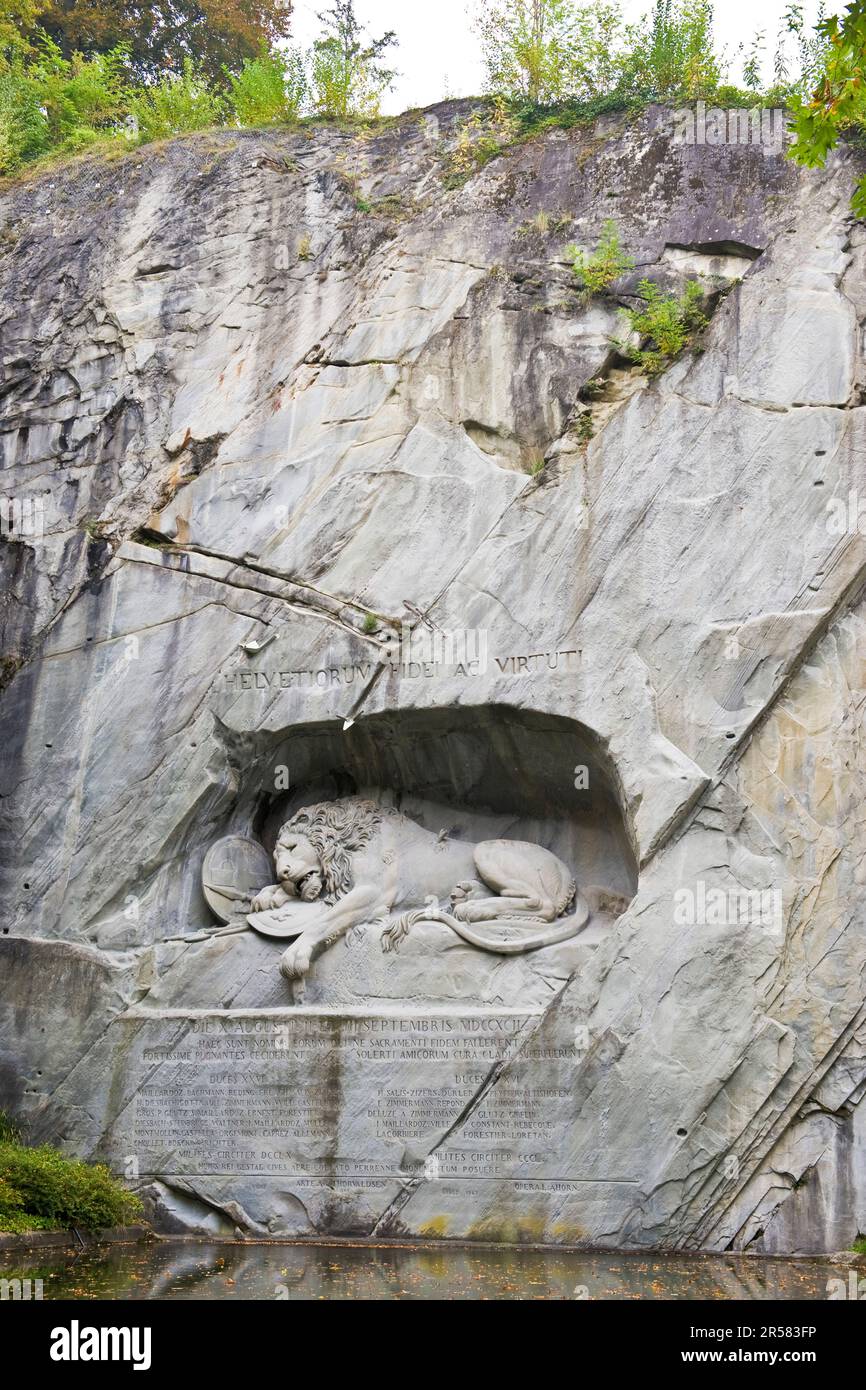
(256, 464)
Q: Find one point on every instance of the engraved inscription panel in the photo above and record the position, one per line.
(313, 1095)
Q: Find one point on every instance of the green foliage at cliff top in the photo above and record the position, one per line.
(60, 100)
(551, 63)
(838, 103)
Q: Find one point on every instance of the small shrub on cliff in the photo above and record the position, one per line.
(607, 263)
(481, 137)
(57, 1191)
(665, 324)
(180, 103)
(584, 428)
(270, 89)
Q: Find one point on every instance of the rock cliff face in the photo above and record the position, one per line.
(279, 399)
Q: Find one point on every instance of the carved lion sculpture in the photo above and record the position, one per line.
(355, 862)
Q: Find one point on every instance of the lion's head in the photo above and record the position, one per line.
(313, 855)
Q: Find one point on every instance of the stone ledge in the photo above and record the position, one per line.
(49, 1240)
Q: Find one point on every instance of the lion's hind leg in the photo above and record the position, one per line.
(492, 909)
(528, 879)
(532, 886)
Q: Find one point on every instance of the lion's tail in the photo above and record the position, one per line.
(476, 934)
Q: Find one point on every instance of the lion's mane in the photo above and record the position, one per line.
(336, 830)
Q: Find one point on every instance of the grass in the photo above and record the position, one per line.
(859, 1246)
(114, 147)
(498, 125)
(532, 120)
(41, 1189)
(585, 429)
(392, 206)
(10, 664)
(546, 223)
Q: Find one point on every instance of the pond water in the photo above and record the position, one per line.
(200, 1270)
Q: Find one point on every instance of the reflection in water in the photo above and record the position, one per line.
(192, 1270)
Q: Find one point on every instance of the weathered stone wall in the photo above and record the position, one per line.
(293, 387)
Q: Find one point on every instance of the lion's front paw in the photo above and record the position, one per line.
(296, 961)
(268, 900)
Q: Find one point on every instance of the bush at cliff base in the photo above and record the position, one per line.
(41, 1189)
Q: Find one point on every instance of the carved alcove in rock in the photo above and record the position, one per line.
(465, 775)
(477, 772)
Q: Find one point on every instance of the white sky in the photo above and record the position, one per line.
(438, 53)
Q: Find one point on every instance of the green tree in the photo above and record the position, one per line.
(348, 77)
(23, 127)
(269, 89)
(752, 65)
(51, 102)
(671, 52)
(547, 51)
(18, 19)
(838, 102)
(213, 34)
(81, 97)
(180, 103)
(810, 48)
